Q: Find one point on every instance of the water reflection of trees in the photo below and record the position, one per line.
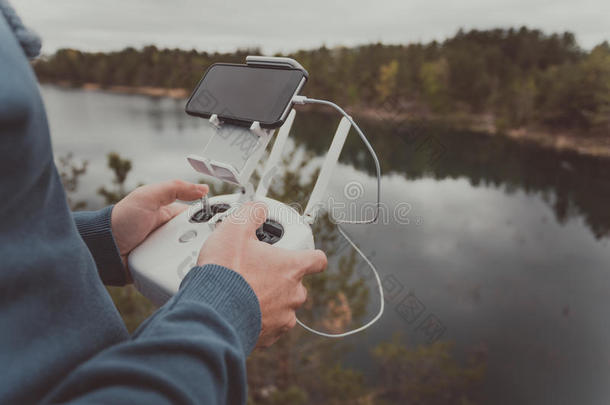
(303, 368)
(572, 184)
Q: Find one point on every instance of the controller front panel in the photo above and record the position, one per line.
(160, 263)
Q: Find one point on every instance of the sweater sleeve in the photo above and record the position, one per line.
(95, 229)
(192, 350)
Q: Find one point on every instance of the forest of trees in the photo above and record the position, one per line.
(520, 77)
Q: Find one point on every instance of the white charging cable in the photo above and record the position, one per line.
(305, 100)
(381, 299)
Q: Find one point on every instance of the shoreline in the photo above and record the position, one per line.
(131, 90)
(595, 146)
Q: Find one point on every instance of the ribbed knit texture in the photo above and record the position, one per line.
(28, 39)
(62, 339)
(230, 295)
(95, 229)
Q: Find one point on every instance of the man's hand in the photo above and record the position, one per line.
(274, 274)
(148, 207)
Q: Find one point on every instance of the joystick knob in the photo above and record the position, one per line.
(204, 215)
(270, 232)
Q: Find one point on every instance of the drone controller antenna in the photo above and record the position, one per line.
(332, 158)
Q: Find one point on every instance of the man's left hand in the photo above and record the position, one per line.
(147, 208)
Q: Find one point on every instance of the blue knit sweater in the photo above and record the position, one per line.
(61, 338)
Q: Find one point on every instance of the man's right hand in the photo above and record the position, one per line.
(275, 274)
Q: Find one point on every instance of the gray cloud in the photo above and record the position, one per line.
(283, 26)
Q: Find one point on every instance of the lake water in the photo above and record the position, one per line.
(505, 253)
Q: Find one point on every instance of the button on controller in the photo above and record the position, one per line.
(188, 236)
(270, 232)
(205, 215)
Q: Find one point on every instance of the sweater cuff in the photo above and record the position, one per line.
(230, 295)
(96, 230)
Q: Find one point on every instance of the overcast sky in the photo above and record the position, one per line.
(290, 25)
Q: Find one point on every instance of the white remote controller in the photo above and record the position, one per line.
(160, 263)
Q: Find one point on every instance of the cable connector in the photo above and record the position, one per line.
(299, 99)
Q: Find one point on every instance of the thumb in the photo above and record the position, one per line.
(169, 191)
(312, 261)
(301, 262)
(247, 218)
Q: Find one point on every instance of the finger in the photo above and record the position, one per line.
(170, 211)
(310, 261)
(169, 191)
(247, 219)
(288, 322)
(292, 321)
(301, 295)
(299, 262)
